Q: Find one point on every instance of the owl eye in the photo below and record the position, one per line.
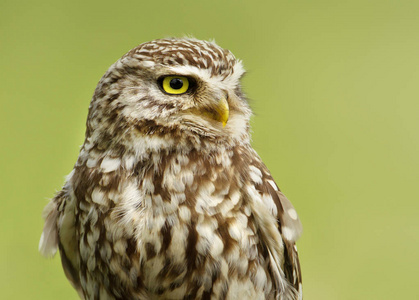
(175, 85)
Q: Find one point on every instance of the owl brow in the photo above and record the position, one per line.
(174, 74)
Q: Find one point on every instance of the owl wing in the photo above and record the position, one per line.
(290, 229)
(60, 233)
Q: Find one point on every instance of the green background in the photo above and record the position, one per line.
(334, 87)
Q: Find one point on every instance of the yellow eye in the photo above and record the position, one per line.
(175, 85)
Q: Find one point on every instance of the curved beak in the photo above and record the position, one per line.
(223, 111)
(219, 111)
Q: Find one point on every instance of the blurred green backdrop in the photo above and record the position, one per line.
(334, 86)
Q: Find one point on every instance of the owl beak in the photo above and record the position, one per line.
(218, 111)
(223, 111)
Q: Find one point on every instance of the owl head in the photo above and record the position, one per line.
(171, 91)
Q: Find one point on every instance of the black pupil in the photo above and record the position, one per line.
(176, 83)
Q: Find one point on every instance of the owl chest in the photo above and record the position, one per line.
(172, 232)
(190, 235)
(186, 249)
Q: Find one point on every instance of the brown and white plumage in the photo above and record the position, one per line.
(167, 199)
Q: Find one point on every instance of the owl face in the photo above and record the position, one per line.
(172, 87)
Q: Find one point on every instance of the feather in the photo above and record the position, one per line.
(290, 223)
(271, 238)
(48, 243)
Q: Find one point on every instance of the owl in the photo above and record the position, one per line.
(167, 199)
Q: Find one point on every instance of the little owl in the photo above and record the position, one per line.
(168, 200)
